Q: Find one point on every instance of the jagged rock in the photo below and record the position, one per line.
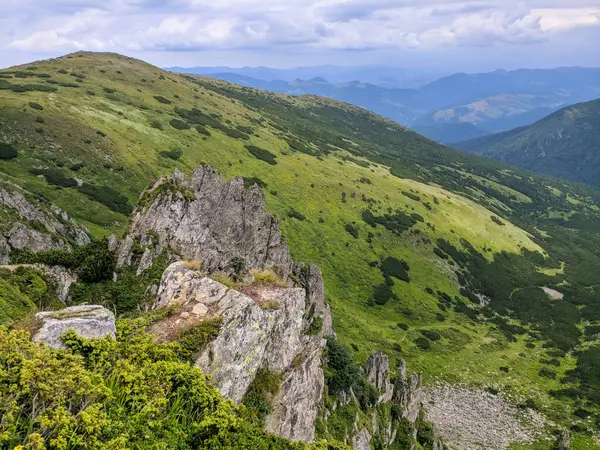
(145, 262)
(564, 441)
(62, 279)
(125, 252)
(262, 331)
(113, 243)
(295, 407)
(215, 222)
(35, 224)
(377, 371)
(362, 440)
(408, 392)
(88, 321)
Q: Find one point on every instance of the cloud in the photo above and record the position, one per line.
(43, 26)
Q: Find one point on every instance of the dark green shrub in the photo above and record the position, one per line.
(200, 129)
(352, 230)
(403, 326)
(438, 251)
(497, 221)
(7, 151)
(107, 196)
(156, 124)
(547, 373)
(296, 214)
(91, 93)
(394, 267)
(36, 106)
(109, 90)
(262, 154)
(382, 293)
(55, 176)
(77, 166)
(161, 99)
(417, 217)
(194, 340)
(173, 154)
(260, 394)
(179, 124)
(422, 343)
(62, 71)
(412, 196)
(249, 181)
(431, 335)
(396, 223)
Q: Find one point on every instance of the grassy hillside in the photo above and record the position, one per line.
(564, 144)
(410, 234)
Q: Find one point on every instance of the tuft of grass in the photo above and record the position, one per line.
(192, 265)
(267, 277)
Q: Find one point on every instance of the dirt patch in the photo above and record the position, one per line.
(553, 293)
(473, 419)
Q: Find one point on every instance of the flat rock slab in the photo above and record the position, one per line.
(88, 321)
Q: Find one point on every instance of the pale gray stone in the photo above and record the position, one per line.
(88, 321)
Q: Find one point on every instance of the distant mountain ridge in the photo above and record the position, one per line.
(451, 109)
(565, 144)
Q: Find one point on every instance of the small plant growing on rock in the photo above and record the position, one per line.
(192, 265)
(266, 277)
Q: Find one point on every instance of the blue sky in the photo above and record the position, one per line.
(447, 35)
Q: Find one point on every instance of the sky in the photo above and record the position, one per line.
(444, 35)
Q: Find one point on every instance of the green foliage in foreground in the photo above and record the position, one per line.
(128, 393)
(22, 291)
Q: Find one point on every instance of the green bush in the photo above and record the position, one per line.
(412, 196)
(193, 340)
(107, 196)
(259, 396)
(36, 106)
(352, 230)
(432, 335)
(179, 124)
(55, 176)
(262, 154)
(161, 99)
(173, 154)
(123, 393)
(394, 267)
(156, 124)
(296, 214)
(202, 130)
(249, 181)
(109, 90)
(397, 223)
(422, 343)
(7, 151)
(382, 294)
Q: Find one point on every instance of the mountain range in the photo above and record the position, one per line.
(452, 108)
(565, 144)
(463, 292)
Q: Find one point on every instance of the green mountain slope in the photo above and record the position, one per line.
(565, 144)
(410, 235)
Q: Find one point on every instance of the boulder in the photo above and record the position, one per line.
(88, 321)
(377, 370)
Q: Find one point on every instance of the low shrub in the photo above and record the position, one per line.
(394, 267)
(36, 106)
(262, 154)
(382, 293)
(422, 343)
(7, 151)
(161, 99)
(296, 214)
(353, 230)
(156, 125)
(173, 154)
(107, 196)
(431, 335)
(55, 176)
(179, 124)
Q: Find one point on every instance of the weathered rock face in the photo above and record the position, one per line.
(408, 392)
(35, 225)
(377, 370)
(62, 279)
(564, 441)
(264, 331)
(207, 219)
(88, 321)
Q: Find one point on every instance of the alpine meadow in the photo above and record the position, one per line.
(483, 276)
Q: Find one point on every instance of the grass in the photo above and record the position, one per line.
(457, 196)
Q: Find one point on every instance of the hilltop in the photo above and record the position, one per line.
(564, 144)
(429, 254)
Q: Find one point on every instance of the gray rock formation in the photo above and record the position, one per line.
(264, 331)
(408, 392)
(377, 371)
(88, 321)
(564, 440)
(34, 225)
(61, 278)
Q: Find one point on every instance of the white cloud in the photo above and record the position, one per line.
(276, 25)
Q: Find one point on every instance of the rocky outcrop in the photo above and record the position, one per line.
(377, 371)
(61, 278)
(35, 225)
(262, 331)
(408, 392)
(224, 227)
(564, 440)
(88, 321)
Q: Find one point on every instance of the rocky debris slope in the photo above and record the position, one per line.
(224, 227)
(27, 223)
(88, 321)
(472, 419)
